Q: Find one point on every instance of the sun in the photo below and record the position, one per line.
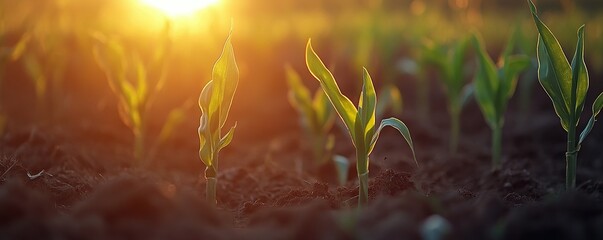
(176, 8)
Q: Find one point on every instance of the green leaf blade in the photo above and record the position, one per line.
(579, 74)
(368, 104)
(487, 85)
(341, 103)
(554, 72)
(225, 75)
(226, 139)
(596, 108)
(401, 127)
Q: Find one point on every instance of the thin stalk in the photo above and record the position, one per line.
(423, 95)
(139, 146)
(455, 130)
(572, 152)
(363, 175)
(211, 175)
(210, 189)
(363, 189)
(571, 157)
(139, 141)
(525, 95)
(496, 147)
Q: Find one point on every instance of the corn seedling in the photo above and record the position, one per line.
(566, 85)
(316, 116)
(42, 52)
(418, 67)
(359, 121)
(494, 86)
(363, 53)
(450, 63)
(134, 82)
(525, 45)
(215, 101)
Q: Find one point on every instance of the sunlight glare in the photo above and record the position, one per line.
(176, 8)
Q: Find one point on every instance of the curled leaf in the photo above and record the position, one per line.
(401, 127)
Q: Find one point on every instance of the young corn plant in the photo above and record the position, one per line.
(359, 121)
(525, 45)
(42, 52)
(215, 101)
(317, 119)
(450, 63)
(316, 116)
(363, 50)
(135, 82)
(494, 86)
(566, 85)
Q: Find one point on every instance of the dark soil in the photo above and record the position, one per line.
(71, 177)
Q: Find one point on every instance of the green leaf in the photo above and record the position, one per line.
(141, 84)
(401, 127)
(174, 119)
(205, 139)
(227, 138)
(466, 94)
(205, 96)
(579, 75)
(323, 111)
(341, 103)
(225, 75)
(513, 66)
(456, 65)
(389, 97)
(487, 84)
(215, 101)
(597, 105)
(299, 95)
(554, 72)
(21, 46)
(367, 105)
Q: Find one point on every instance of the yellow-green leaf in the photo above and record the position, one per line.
(225, 76)
(299, 95)
(554, 72)
(341, 103)
(227, 138)
(367, 106)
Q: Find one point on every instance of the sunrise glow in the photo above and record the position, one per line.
(176, 8)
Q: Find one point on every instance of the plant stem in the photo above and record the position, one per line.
(139, 147)
(211, 175)
(363, 173)
(210, 190)
(525, 93)
(572, 152)
(496, 147)
(571, 157)
(363, 189)
(454, 129)
(423, 95)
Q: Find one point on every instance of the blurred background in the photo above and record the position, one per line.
(383, 35)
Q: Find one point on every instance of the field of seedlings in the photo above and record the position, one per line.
(315, 119)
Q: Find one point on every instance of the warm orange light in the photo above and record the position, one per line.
(176, 8)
